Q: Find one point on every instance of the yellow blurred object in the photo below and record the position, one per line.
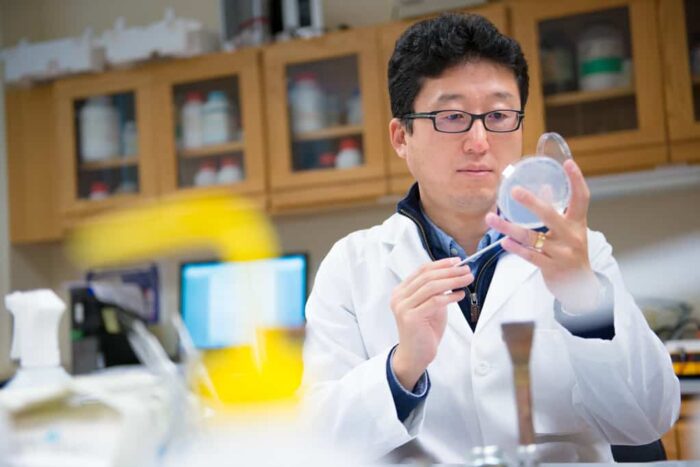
(231, 225)
(269, 369)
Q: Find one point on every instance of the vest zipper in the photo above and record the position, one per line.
(475, 308)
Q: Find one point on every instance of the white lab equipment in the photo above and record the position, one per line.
(191, 120)
(230, 171)
(307, 102)
(37, 314)
(216, 118)
(99, 130)
(349, 155)
(206, 175)
(543, 175)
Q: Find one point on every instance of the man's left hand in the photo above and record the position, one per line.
(561, 253)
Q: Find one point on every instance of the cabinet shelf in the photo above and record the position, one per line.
(109, 164)
(329, 133)
(581, 97)
(212, 150)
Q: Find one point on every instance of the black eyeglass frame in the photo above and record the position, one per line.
(474, 117)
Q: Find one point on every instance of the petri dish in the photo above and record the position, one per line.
(543, 175)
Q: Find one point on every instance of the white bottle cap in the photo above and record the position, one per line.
(37, 314)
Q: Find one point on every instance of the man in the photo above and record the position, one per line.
(404, 347)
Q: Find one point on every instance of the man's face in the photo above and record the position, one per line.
(461, 171)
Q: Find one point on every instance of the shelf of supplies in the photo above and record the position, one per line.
(212, 150)
(110, 163)
(329, 133)
(581, 97)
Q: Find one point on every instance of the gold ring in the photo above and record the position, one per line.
(539, 243)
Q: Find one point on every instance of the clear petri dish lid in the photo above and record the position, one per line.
(553, 145)
(541, 175)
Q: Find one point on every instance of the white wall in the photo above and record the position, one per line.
(5, 367)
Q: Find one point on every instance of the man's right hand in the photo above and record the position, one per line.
(420, 304)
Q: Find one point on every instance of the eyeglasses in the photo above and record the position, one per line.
(458, 121)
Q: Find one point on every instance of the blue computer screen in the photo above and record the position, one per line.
(222, 303)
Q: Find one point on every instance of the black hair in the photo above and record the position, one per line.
(428, 48)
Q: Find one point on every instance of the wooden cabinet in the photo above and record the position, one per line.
(322, 96)
(595, 77)
(680, 442)
(680, 40)
(31, 165)
(400, 179)
(620, 79)
(225, 135)
(104, 132)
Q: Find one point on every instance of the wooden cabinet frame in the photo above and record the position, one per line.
(297, 189)
(82, 87)
(643, 147)
(683, 127)
(245, 65)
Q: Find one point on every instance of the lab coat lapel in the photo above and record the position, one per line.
(511, 272)
(407, 255)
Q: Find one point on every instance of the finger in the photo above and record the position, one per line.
(538, 259)
(438, 302)
(580, 194)
(522, 235)
(436, 287)
(543, 210)
(423, 273)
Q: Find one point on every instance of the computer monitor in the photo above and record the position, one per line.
(222, 303)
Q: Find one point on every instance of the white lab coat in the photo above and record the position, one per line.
(587, 393)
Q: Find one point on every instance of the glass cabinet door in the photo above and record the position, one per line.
(595, 79)
(680, 38)
(400, 179)
(323, 119)
(104, 140)
(211, 128)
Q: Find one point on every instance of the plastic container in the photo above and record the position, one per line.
(558, 64)
(99, 130)
(349, 155)
(191, 120)
(307, 104)
(206, 175)
(98, 190)
(601, 54)
(129, 139)
(216, 118)
(230, 171)
(354, 108)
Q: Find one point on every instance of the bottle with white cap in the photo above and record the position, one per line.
(37, 314)
(230, 171)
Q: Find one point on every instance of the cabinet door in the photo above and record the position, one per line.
(324, 120)
(210, 129)
(400, 179)
(680, 38)
(104, 135)
(595, 78)
(688, 428)
(31, 165)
